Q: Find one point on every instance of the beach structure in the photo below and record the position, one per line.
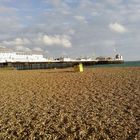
(118, 57)
(101, 58)
(20, 57)
(64, 59)
(30, 60)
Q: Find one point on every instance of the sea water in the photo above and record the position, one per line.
(125, 64)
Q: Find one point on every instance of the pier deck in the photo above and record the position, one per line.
(52, 64)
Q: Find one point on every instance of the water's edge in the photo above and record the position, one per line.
(125, 64)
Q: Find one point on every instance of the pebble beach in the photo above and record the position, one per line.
(60, 104)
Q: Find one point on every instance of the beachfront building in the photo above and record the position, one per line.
(118, 57)
(84, 59)
(63, 59)
(101, 58)
(109, 58)
(21, 57)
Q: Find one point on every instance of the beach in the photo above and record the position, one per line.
(57, 104)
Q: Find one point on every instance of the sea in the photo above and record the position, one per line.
(125, 64)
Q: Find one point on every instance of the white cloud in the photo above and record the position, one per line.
(22, 48)
(57, 40)
(109, 43)
(2, 47)
(114, 1)
(71, 31)
(8, 10)
(94, 13)
(16, 42)
(116, 27)
(19, 48)
(43, 40)
(54, 2)
(10, 24)
(27, 49)
(38, 49)
(20, 41)
(80, 18)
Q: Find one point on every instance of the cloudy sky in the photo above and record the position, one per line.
(72, 27)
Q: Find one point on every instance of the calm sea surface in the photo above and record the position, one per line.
(125, 64)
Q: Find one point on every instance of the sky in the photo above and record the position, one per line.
(74, 28)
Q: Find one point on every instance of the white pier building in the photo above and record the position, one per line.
(118, 57)
(21, 57)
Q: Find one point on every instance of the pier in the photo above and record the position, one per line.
(53, 64)
(29, 61)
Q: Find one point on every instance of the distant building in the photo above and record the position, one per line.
(109, 58)
(8, 56)
(118, 57)
(63, 59)
(101, 58)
